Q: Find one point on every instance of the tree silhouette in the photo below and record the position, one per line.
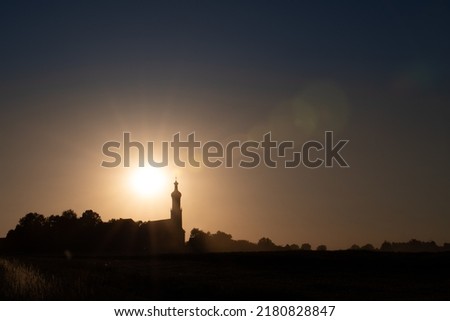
(291, 247)
(368, 247)
(266, 244)
(321, 248)
(222, 237)
(198, 240)
(221, 242)
(29, 233)
(90, 218)
(69, 215)
(306, 247)
(386, 246)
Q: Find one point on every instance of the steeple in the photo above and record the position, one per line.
(175, 212)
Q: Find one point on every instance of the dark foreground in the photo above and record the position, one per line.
(341, 275)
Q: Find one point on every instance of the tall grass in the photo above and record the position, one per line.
(22, 282)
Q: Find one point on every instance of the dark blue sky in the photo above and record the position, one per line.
(350, 41)
(76, 74)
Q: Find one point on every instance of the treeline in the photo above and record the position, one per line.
(88, 234)
(200, 241)
(67, 233)
(410, 246)
(414, 246)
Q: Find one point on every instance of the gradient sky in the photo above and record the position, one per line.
(74, 75)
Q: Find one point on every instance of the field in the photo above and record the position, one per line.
(293, 275)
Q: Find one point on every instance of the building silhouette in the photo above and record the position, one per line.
(168, 235)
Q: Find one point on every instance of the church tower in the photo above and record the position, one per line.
(175, 212)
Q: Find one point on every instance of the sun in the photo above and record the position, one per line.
(148, 181)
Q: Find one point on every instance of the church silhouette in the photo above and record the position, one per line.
(168, 235)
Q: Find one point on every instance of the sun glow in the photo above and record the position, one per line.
(148, 181)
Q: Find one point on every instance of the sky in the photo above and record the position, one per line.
(77, 74)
